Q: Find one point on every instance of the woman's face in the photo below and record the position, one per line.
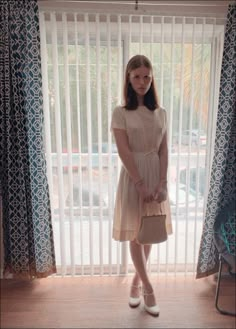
(141, 79)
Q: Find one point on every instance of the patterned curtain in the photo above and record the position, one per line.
(26, 214)
(223, 183)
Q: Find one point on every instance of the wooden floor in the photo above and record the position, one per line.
(101, 302)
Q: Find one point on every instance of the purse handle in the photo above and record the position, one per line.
(141, 207)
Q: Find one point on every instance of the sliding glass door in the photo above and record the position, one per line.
(83, 60)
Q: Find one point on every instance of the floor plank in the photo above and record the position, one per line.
(101, 302)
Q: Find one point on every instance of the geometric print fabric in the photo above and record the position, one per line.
(26, 213)
(222, 190)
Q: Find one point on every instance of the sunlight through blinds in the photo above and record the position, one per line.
(83, 60)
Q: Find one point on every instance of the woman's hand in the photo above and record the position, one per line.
(145, 195)
(160, 192)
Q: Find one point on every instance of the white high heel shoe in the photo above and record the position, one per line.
(153, 310)
(135, 301)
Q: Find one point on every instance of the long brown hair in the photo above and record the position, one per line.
(130, 98)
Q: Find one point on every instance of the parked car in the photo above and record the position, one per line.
(83, 156)
(84, 197)
(197, 138)
(193, 178)
(183, 198)
(104, 148)
(81, 203)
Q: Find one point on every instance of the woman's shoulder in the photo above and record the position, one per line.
(161, 110)
(118, 118)
(162, 114)
(119, 108)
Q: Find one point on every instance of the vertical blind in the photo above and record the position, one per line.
(83, 60)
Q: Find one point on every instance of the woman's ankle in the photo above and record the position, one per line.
(136, 282)
(149, 298)
(147, 289)
(135, 291)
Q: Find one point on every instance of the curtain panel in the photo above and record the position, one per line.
(27, 228)
(222, 184)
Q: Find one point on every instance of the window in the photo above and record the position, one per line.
(83, 59)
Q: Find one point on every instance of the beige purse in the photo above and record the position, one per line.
(152, 229)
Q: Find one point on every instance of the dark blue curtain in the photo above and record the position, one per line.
(27, 228)
(222, 190)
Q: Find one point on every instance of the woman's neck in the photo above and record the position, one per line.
(140, 100)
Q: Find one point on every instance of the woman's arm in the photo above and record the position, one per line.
(127, 159)
(160, 193)
(125, 154)
(163, 156)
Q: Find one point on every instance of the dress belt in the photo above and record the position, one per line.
(150, 152)
(153, 151)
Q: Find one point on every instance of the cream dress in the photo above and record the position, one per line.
(145, 130)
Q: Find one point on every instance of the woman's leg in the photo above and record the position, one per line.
(135, 291)
(147, 249)
(139, 255)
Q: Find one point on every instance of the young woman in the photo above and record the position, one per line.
(140, 131)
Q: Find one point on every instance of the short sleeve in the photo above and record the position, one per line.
(118, 118)
(163, 120)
